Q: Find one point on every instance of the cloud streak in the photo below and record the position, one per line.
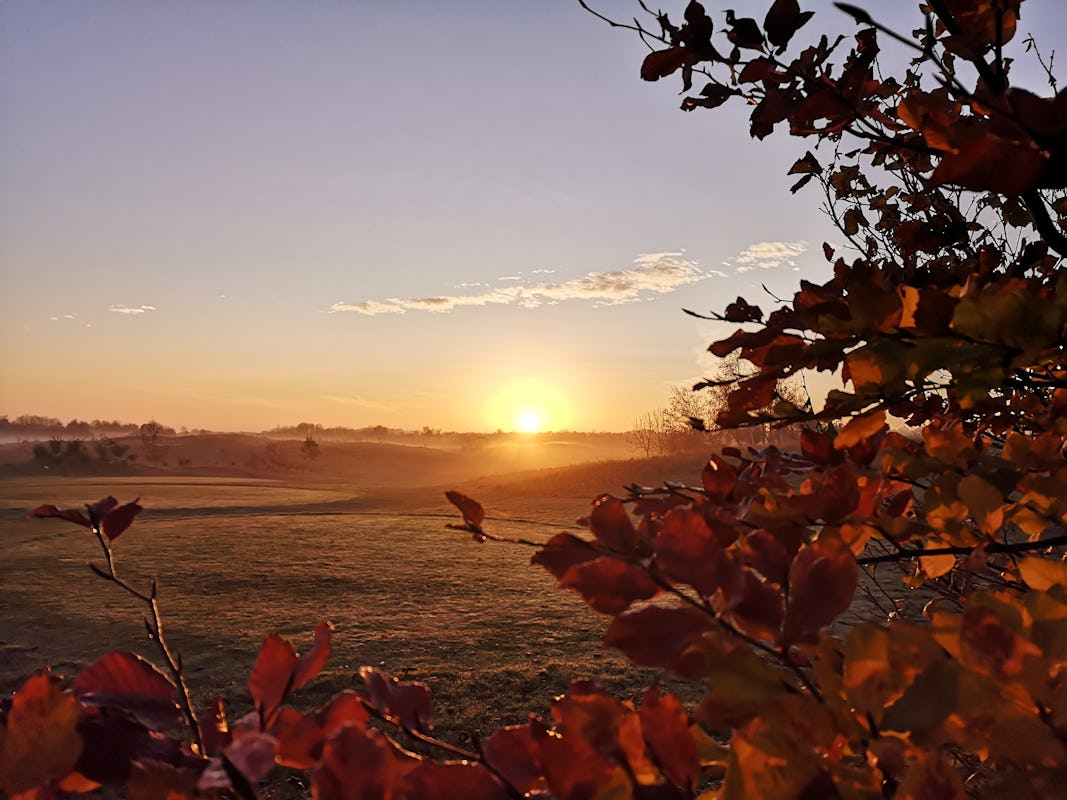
(121, 309)
(769, 255)
(651, 274)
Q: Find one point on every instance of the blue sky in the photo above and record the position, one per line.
(243, 214)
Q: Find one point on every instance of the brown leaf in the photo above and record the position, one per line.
(562, 552)
(432, 781)
(654, 636)
(822, 581)
(609, 585)
(510, 752)
(611, 525)
(665, 724)
(687, 552)
(471, 509)
(406, 703)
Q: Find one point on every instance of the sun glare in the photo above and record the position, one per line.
(527, 405)
(528, 420)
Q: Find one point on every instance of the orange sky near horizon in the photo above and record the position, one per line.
(242, 216)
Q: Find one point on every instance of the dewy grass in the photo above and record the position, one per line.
(238, 560)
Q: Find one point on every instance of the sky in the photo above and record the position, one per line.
(469, 215)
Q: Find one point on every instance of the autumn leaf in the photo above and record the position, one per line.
(471, 509)
(822, 581)
(406, 703)
(40, 739)
(127, 681)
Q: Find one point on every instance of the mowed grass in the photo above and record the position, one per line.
(239, 559)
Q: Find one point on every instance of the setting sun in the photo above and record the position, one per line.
(528, 420)
(528, 405)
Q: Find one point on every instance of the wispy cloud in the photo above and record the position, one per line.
(652, 273)
(769, 255)
(121, 309)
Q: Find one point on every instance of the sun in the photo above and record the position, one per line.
(529, 420)
(527, 405)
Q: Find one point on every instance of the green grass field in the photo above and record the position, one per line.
(238, 559)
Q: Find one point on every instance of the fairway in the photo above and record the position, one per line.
(238, 559)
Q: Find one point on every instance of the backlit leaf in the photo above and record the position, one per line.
(822, 581)
(312, 661)
(655, 636)
(609, 585)
(611, 525)
(406, 703)
(1042, 573)
(40, 740)
(127, 681)
(272, 676)
(665, 724)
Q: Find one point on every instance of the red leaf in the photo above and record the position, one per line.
(432, 781)
(654, 636)
(69, 514)
(151, 780)
(510, 752)
(665, 724)
(302, 736)
(609, 585)
(718, 477)
(272, 676)
(611, 525)
(358, 763)
(406, 703)
(128, 682)
(312, 661)
(571, 768)
(562, 552)
(115, 522)
(770, 554)
(688, 552)
(819, 447)
(471, 509)
(822, 581)
(754, 606)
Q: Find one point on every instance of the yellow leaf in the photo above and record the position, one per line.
(858, 429)
(1042, 573)
(936, 566)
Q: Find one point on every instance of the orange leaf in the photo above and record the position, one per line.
(1042, 573)
(40, 741)
(859, 429)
